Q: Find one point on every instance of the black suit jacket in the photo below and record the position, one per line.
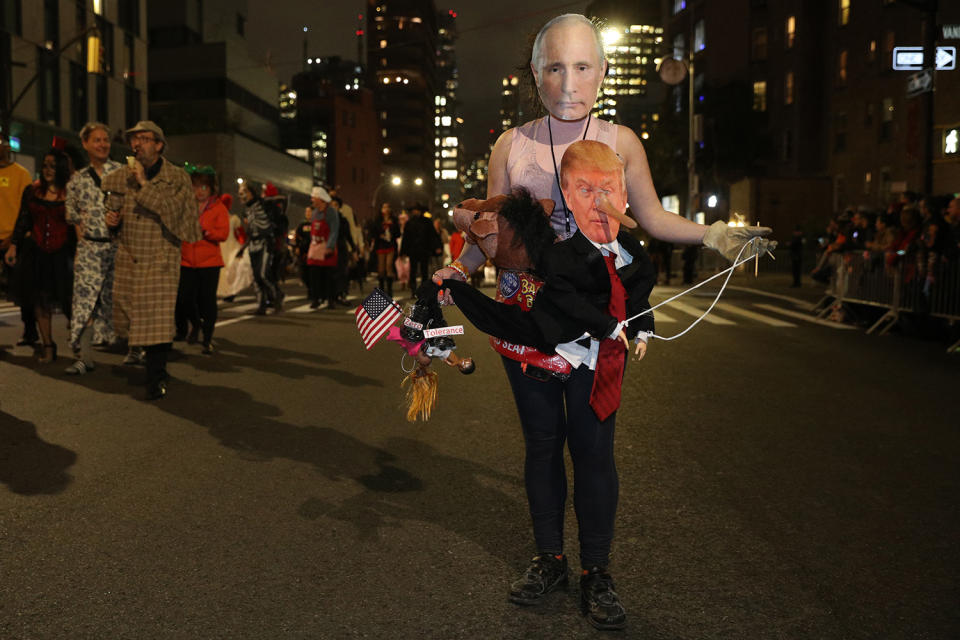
(573, 299)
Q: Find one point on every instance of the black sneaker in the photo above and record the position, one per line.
(546, 573)
(599, 602)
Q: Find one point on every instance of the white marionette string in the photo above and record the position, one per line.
(729, 271)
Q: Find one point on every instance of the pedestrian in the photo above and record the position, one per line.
(357, 269)
(92, 313)
(201, 261)
(301, 246)
(46, 272)
(384, 233)
(275, 206)
(420, 243)
(237, 274)
(346, 252)
(14, 179)
(322, 253)
(568, 67)
(151, 204)
(796, 255)
(260, 246)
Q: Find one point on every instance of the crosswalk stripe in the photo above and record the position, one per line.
(773, 322)
(802, 316)
(224, 323)
(243, 308)
(660, 316)
(693, 311)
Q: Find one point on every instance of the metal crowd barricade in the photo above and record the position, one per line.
(865, 278)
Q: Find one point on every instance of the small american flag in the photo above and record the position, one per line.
(375, 315)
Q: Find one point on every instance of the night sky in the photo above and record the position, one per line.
(492, 40)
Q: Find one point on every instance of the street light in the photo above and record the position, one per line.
(396, 181)
(418, 182)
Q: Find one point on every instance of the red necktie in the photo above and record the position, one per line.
(605, 394)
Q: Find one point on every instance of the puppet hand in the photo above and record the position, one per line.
(444, 297)
(641, 349)
(728, 240)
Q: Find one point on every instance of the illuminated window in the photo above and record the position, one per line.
(788, 88)
(445, 121)
(450, 141)
(699, 36)
(679, 46)
(844, 16)
(678, 6)
(760, 95)
(448, 174)
(791, 32)
(951, 140)
(383, 44)
(872, 51)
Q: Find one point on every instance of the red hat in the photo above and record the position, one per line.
(59, 143)
(269, 190)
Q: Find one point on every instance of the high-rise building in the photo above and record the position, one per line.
(215, 103)
(47, 43)
(448, 143)
(402, 45)
(632, 93)
(511, 105)
(333, 126)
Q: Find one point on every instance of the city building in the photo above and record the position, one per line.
(402, 46)
(328, 119)
(632, 93)
(511, 104)
(810, 117)
(448, 142)
(57, 86)
(216, 104)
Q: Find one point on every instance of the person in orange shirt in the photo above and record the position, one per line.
(201, 261)
(13, 180)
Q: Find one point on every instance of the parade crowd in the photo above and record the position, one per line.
(919, 233)
(61, 242)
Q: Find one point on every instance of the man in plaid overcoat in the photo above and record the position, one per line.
(157, 214)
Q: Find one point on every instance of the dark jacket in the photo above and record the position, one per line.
(420, 239)
(573, 299)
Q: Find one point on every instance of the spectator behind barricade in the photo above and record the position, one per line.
(861, 231)
(840, 231)
(905, 247)
(953, 220)
(200, 261)
(885, 234)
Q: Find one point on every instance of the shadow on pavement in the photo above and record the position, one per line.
(28, 464)
(458, 495)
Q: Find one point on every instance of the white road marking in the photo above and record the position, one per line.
(802, 316)
(693, 311)
(773, 322)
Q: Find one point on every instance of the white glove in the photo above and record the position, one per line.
(728, 240)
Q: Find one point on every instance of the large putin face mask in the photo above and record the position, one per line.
(591, 173)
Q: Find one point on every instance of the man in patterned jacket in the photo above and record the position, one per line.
(150, 202)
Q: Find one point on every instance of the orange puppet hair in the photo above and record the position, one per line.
(590, 155)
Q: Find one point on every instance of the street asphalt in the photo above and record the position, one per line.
(791, 480)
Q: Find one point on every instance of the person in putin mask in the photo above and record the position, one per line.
(568, 67)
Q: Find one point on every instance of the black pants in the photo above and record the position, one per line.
(418, 265)
(197, 300)
(323, 283)
(796, 266)
(264, 277)
(554, 413)
(156, 362)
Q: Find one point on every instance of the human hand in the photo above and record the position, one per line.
(641, 349)
(138, 172)
(112, 218)
(444, 297)
(622, 337)
(728, 240)
(11, 255)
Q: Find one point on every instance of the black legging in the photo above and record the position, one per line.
(197, 300)
(322, 283)
(418, 266)
(546, 427)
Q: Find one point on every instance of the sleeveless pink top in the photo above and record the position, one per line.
(530, 164)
